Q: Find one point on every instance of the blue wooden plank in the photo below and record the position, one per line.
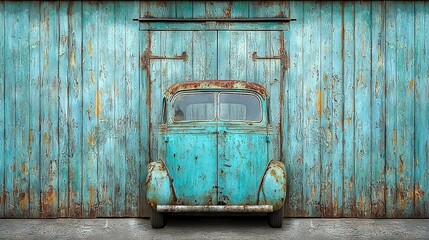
(63, 64)
(49, 110)
(362, 77)
(378, 120)
(183, 9)
(157, 9)
(421, 187)
(22, 88)
(349, 103)
(144, 117)
(132, 110)
(269, 8)
(91, 109)
(233, 56)
(198, 9)
(75, 102)
(312, 109)
(215, 9)
(121, 115)
(11, 15)
(204, 55)
(391, 116)
(405, 111)
(294, 144)
(325, 112)
(2, 109)
(337, 113)
(105, 109)
(238, 9)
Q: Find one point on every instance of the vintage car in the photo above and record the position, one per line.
(215, 153)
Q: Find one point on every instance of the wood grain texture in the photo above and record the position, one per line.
(2, 109)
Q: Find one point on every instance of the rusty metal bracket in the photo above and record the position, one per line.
(147, 56)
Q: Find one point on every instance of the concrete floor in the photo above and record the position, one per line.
(198, 227)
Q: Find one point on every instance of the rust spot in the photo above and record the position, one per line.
(401, 166)
(46, 138)
(97, 104)
(325, 78)
(418, 193)
(227, 11)
(47, 202)
(319, 102)
(90, 48)
(23, 200)
(24, 168)
(412, 84)
(91, 197)
(91, 140)
(361, 203)
(30, 137)
(216, 84)
(402, 199)
(394, 137)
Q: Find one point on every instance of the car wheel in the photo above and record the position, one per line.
(275, 219)
(157, 219)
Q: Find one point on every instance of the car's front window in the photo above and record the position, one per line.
(194, 107)
(240, 107)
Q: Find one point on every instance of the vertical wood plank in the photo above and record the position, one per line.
(22, 88)
(105, 109)
(198, 9)
(204, 53)
(391, 116)
(2, 108)
(184, 9)
(238, 9)
(326, 66)
(34, 135)
(91, 101)
(348, 55)
(337, 113)
(121, 115)
(312, 109)
(405, 110)
(75, 101)
(158, 9)
(378, 106)
(421, 187)
(233, 56)
(269, 8)
(63, 173)
(362, 124)
(144, 120)
(9, 109)
(294, 148)
(49, 111)
(133, 156)
(18, 73)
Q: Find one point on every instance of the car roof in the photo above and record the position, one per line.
(216, 84)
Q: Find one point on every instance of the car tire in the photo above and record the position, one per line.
(157, 219)
(275, 219)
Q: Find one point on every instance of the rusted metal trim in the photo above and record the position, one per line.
(216, 84)
(183, 57)
(256, 57)
(199, 20)
(215, 208)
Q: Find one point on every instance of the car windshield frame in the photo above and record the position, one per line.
(216, 107)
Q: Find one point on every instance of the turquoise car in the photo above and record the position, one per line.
(214, 153)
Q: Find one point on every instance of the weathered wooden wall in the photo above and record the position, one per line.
(78, 110)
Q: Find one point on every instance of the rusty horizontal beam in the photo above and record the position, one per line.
(216, 208)
(202, 20)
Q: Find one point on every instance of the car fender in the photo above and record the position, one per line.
(272, 189)
(159, 186)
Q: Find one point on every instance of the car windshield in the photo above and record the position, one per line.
(239, 107)
(194, 107)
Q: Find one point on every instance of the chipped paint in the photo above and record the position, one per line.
(411, 84)
(319, 102)
(98, 104)
(90, 48)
